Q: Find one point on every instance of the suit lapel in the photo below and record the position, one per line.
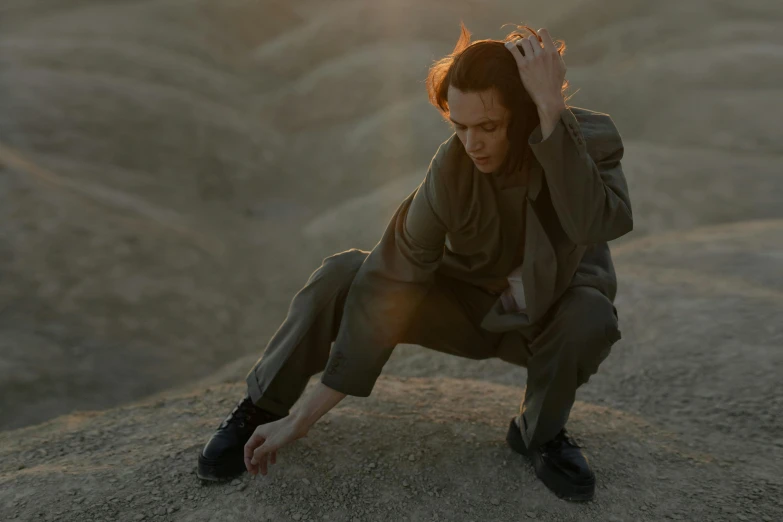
(539, 268)
(535, 179)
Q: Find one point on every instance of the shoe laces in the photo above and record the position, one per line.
(562, 437)
(245, 413)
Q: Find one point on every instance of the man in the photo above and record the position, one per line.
(500, 252)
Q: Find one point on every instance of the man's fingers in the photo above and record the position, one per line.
(252, 443)
(261, 456)
(263, 450)
(527, 48)
(535, 45)
(249, 467)
(516, 52)
(255, 441)
(273, 457)
(546, 38)
(264, 467)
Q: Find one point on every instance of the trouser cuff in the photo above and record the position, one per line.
(265, 403)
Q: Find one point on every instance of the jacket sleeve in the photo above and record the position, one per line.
(589, 191)
(390, 284)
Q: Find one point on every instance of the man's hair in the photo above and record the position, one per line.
(481, 65)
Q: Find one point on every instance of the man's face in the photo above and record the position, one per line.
(480, 122)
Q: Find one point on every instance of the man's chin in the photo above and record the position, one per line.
(486, 169)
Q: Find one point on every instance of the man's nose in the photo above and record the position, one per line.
(472, 142)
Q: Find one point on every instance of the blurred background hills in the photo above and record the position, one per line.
(171, 172)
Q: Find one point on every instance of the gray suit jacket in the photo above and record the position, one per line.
(464, 224)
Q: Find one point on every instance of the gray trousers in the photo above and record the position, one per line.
(560, 352)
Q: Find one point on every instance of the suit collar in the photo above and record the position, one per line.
(535, 179)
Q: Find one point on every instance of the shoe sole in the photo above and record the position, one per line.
(217, 471)
(563, 490)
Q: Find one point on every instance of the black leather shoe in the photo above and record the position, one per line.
(223, 456)
(559, 464)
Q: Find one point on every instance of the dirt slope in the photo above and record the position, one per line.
(417, 449)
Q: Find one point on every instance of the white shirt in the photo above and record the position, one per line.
(513, 297)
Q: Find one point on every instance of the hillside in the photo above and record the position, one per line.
(171, 172)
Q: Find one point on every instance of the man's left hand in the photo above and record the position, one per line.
(541, 69)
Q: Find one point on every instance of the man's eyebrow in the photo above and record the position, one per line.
(485, 120)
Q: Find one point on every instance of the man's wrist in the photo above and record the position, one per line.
(551, 108)
(548, 116)
(301, 424)
(314, 405)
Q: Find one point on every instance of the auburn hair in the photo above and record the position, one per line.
(482, 65)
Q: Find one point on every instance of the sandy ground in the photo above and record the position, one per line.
(417, 449)
(171, 172)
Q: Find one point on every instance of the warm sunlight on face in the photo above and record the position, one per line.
(480, 122)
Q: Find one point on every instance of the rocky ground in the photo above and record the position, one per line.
(417, 449)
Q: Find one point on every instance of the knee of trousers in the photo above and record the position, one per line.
(591, 324)
(338, 270)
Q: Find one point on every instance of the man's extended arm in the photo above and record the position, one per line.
(314, 405)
